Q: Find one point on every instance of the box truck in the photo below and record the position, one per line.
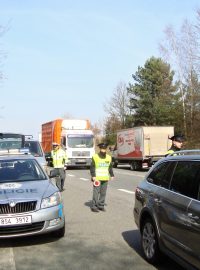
(140, 147)
(74, 135)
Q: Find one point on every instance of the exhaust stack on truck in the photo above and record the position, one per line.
(74, 135)
(140, 147)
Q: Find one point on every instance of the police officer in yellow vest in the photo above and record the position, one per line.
(101, 171)
(177, 143)
(59, 158)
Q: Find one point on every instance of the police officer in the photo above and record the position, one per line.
(59, 158)
(177, 143)
(101, 171)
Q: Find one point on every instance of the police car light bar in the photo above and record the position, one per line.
(21, 151)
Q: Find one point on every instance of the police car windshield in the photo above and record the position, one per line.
(20, 170)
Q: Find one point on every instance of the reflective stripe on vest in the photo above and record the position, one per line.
(59, 158)
(102, 167)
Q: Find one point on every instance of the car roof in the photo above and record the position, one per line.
(20, 157)
(18, 153)
(182, 157)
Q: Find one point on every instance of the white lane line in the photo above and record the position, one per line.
(130, 174)
(127, 191)
(84, 179)
(70, 174)
(7, 259)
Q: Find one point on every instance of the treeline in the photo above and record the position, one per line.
(165, 91)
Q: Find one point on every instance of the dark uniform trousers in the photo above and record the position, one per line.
(99, 195)
(61, 179)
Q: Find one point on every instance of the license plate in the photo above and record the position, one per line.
(81, 160)
(9, 221)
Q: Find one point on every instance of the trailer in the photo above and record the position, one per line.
(140, 147)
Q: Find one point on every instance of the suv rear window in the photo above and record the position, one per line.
(186, 178)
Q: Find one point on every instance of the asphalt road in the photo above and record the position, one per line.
(93, 241)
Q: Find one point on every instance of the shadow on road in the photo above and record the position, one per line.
(133, 240)
(28, 241)
(88, 204)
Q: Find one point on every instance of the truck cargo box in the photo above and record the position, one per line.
(143, 145)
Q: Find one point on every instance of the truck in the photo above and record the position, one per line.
(140, 147)
(75, 137)
(9, 140)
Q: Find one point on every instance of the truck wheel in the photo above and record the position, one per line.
(133, 166)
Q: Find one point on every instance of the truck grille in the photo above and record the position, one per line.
(18, 208)
(80, 153)
(20, 229)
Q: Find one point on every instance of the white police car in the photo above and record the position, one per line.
(30, 203)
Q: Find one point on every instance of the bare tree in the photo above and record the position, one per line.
(181, 50)
(118, 104)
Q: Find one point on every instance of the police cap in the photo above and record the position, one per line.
(102, 145)
(177, 138)
(55, 144)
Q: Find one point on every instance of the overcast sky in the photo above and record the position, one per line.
(67, 57)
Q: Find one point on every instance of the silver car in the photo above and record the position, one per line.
(29, 202)
(167, 210)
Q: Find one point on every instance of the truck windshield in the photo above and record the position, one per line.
(11, 141)
(80, 141)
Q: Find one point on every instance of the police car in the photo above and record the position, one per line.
(30, 203)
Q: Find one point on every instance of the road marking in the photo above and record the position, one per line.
(127, 191)
(70, 174)
(130, 174)
(7, 259)
(84, 179)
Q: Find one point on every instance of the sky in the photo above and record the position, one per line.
(66, 58)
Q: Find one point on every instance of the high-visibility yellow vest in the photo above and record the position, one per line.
(169, 152)
(59, 158)
(102, 167)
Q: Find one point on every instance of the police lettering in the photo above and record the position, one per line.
(20, 190)
(103, 164)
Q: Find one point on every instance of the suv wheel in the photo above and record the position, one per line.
(150, 241)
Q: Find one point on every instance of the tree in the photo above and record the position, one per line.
(182, 49)
(154, 99)
(117, 109)
(118, 105)
(112, 124)
(97, 129)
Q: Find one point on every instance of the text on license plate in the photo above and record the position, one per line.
(6, 221)
(81, 160)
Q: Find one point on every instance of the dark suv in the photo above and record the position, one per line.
(167, 210)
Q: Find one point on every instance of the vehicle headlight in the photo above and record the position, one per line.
(53, 200)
